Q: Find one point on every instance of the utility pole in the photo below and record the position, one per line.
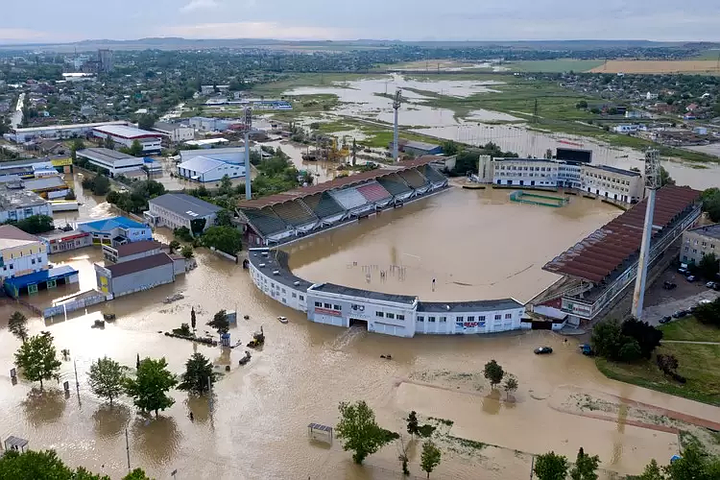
(77, 382)
(127, 448)
(535, 112)
(396, 107)
(652, 184)
(248, 180)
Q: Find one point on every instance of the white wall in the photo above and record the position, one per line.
(25, 212)
(295, 298)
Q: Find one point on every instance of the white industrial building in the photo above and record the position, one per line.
(175, 210)
(398, 315)
(209, 124)
(54, 132)
(601, 180)
(125, 135)
(229, 154)
(205, 169)
(175, 131)
(114, 162)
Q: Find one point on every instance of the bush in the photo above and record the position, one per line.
(34, 224)
(626, 342)
(183, 233)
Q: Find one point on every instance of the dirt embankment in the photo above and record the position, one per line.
(658, 66)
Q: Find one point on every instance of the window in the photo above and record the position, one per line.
(420, 318)
(33, 261)
(390, 315)
(283, 290)
(471, 318)
(336, 307)
(294, 295)
(508, 315)
(460, 319)
(443, 319)
(498, 317)
(431, 319)
(327, 305)
(379, 314)
(400, 316)
(302, 297)
(481, 318)
(318, 304)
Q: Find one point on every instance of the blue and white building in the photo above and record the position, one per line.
(205, 169)
(116, 231)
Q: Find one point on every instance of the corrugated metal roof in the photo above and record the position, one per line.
(139, 265)
(185, 205)
(134, 248)
(201, 164)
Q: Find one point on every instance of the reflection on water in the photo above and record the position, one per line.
(111, 420)
(155, 440)
(44, 406)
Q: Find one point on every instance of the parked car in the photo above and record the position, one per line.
(586, 349)
(710, 284)
(682, 270)
(691, 278)
(704, 301)
(669, 285)
(543, 350)
(679, 314)
(665, 319)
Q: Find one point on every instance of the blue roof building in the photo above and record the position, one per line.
(116, 231)
(44, 279)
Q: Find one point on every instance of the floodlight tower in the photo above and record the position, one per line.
(248, 126)
(652, 184)
(396, 107)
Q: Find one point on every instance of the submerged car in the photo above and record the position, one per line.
(665, 319)
(691, 278)
(543, 350)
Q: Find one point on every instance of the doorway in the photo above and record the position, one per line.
(359, 323)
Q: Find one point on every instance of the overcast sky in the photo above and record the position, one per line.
(72, 20)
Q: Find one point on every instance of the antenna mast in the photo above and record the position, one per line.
(396, 106)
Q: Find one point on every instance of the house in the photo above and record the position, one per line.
(136, 275)
(126, 136)
(626, 128)
(50, 147)
(61, 241)
(18, 204)
(116, 231)
(114, 162)
(131, 251)
(174, 131)
(24, 262)
(204, 169)
(651, 96)
(698, 242)
(175, 210)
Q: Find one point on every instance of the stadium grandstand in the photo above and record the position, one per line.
(283, 217)
(600, 267)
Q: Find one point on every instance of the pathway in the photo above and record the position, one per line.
(653, 314)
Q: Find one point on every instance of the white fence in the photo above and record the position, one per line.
(74, 305)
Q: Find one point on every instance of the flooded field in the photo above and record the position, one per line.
(477, 244)
(256, 425)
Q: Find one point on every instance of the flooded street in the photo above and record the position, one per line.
(470, 241)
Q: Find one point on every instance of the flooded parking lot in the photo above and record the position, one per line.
(476, 244)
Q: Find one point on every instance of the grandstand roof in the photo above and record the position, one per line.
(607, 248)
(361, 177)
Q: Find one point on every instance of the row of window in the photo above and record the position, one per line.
(329, 306)
(608, 179)
(526, 169)
(398, 316)
(470, 318)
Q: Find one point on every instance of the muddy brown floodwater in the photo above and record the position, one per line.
(256, 427)
(477, 244)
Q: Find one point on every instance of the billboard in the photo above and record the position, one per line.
(574, 155)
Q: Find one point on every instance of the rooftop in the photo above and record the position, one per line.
(137, 247)
(473, 306)
(11, 237)
(166, 127)
(712, 231)
(139, 265)
(277, 260)
(201, 164)
(125, 131)
(185, 205)
(14, 199)
(105, 155)
(360, 293)
(41, 276)
(610, 169)
(419, 145)
(111, 223)
(68, 127)
(62, 234)
(538, 160)
(45, 183)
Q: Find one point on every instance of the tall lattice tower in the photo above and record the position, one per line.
(652, 184)
(396, 106)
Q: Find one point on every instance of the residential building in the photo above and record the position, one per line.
(136, 275)
(61, 241)
(175, 210)
(204, 169)
(20, 204)
(114, 162)
(610, 182)
(698, 242)
(21, 253)
(54, 132)
(131, 251)
(125, 135)
(116, 231)
(175, 131)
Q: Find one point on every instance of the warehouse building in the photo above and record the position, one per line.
(55, 132)
(114, 162)
(228, 154)
(175, 210)
(204, 169)
(698, 242)
(136, 275)
(175, 132)
(125, 135)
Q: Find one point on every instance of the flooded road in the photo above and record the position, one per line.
(256, 427)
(477, 244)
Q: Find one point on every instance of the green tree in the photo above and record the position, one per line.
(413, 428)
(136, 148)
(174, 245)
(199, 376)
(107, 378)
(220, 322)
(225, 239)
(430, 457)
(193, 319)
(187, 251)
(137, 474)
(197, 225)
(585, 467)
(37, 359)
(100, 185)
(183, 233)
(223, 218)
(226, 186)
(494, 373)
(665, 178)
(32, 465)
(360, 432)
(709, 266)
(150, 386)
(606, 339)
(109, 143)
(551, 467)
(35, 224)
(510, 385)
(17, 325)
(652, 472)
(711, 203)
(450, 148)
(146, 121)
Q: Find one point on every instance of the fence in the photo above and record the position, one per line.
(223, 254)
(74, 305)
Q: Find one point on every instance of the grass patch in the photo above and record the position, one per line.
(555, 66)
(700, 364)
(467, 443)
(307, 80)
(444, 421)
(689, 328)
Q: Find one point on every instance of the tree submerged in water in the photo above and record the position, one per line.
(360, 432)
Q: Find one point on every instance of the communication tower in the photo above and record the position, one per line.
(248, 126)
(396, 107)
(652, 184)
